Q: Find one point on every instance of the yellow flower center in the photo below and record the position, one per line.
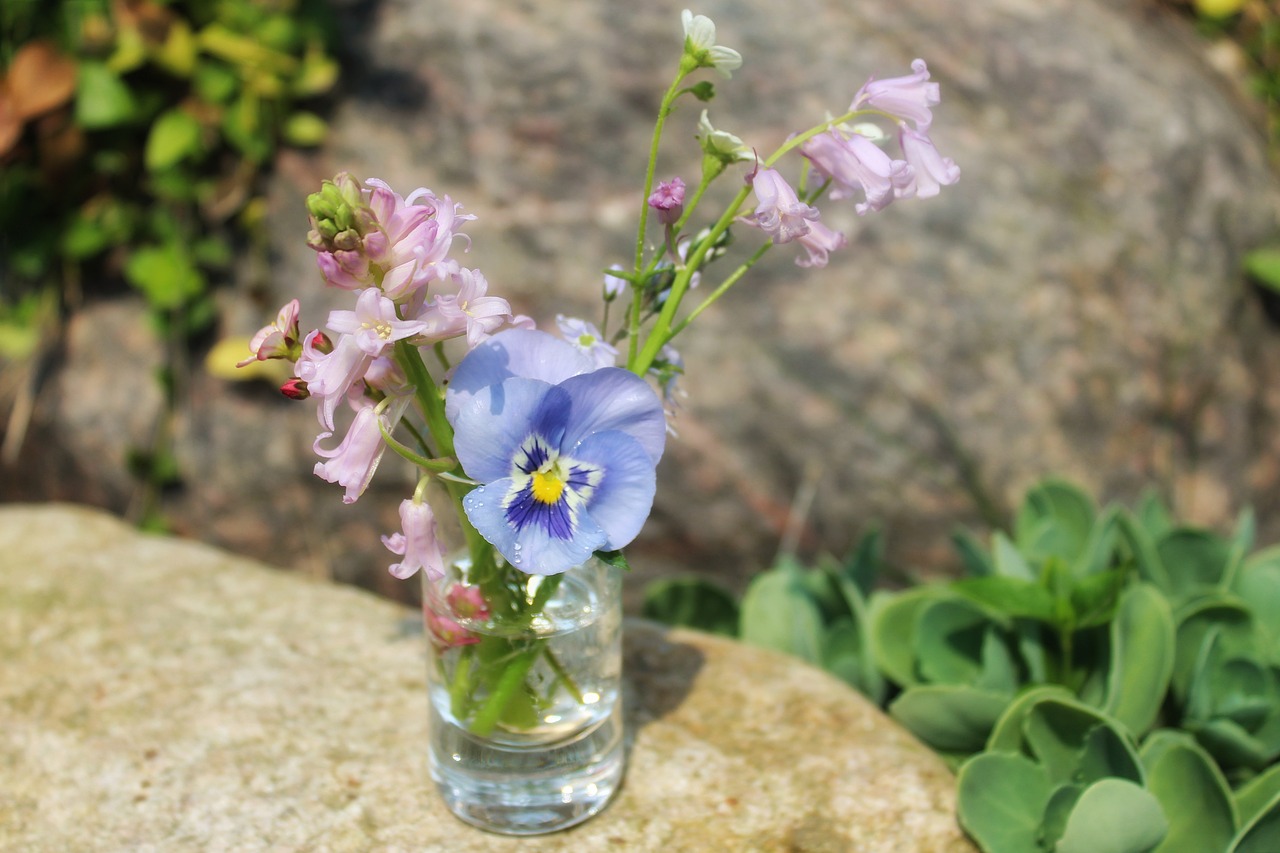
(547, 485)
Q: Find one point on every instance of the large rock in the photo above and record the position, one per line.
(1072, 306)
(156, 694)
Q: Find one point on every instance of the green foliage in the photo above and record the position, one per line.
(139, 130)
(1105, 679)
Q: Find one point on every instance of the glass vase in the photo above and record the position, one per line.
(524, 679)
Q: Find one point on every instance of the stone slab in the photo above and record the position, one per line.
(158, 694)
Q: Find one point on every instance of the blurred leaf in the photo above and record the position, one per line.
(214, 82)
(1262, 265)
(1009, 596)
(304, 129)
(692, 602)
(179, 51)
(977, 562)
(1260, 835)
(1114, 816)
(40, 78)
(1055, 520)
(777, 613)
(1093, 598)
(1142, 657)
(893, 629)
(1001, 799)
(862, 567)
(245, 127)
(1258, 794)
(1194, 560)
(165, 274)
(949, 717)
(1192, 792)
(948, 641)
(174, 136)
(1009, 562)
(1142, 545)
(102, 98)
(318, 73)
(846, 653)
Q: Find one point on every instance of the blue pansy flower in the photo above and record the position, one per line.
(566, 453)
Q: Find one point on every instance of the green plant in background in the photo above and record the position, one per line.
(134, 136)
(1104, 680)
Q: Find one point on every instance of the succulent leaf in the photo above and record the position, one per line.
(1114, 816)
(1192, 791)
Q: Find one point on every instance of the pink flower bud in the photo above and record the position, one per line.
(467, 602)
(295, 389)
(668, 201)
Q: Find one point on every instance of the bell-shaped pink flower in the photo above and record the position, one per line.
(418, 542)
(820, 241)
(779, 212)
(470, 311)
(374, 324)
(930, 169)
(352, 463)
(909, 97)
(856, 165)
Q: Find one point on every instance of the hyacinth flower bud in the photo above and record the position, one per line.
(295, 389)
(667, 201)
(340, 221)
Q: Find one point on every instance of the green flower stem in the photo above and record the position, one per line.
(460, 687)
(562, 675)
(511, 680)
(664, 110)
(720, 291)
(639, 363)
(435, 465)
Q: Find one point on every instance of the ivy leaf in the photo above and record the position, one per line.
(102, 98)
(174, 137)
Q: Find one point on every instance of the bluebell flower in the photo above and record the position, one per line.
(565, 452)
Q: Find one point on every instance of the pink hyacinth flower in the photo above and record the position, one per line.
(909, 97)
(278, 339)
(467, 602)
(856, 164)
(353, 462)
(417, 542)
(330, 376)
(931, 170)
(470, 311)
(779, 212)
(820, 241)
(374, 324)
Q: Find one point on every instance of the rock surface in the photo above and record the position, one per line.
(163, 695)
(1073, 306)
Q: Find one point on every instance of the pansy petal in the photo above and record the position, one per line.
(621, 502)
(531, 549)
(615, 399)
(489, 428)
(514, 352)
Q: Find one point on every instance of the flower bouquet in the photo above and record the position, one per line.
(541, 447)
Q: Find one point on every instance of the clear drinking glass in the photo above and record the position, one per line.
(524, 678)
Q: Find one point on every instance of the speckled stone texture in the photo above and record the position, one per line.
(1072, 306)
(160, 695)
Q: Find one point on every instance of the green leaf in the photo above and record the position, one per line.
(1192, 792)
(1009, 562)
(692, 602)
(893, 630)
(1114, 816)
(1258, 794)
(174, 137)
(847, 655)
(1010, 596)
(214, 82)
(1152, 515)
(1093, 598)
(1195, 560)
(977, 562)
(1007, 736)
(1057, 812)
(102, 98)
(1260, 835)
(304, 129)
(1055, 521)
(616, 559)
(948, 641)
(165, 275)
(1263, 266)
(1141, 544)
(1059, 734)
(863, 566)
(703, 91)
(1142, 657)
(777, 613)
(1258, 582)
(1001, 800)
(948, 717)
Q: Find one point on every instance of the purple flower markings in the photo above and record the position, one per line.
(565, 451)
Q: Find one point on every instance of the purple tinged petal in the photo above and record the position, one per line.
(353, 462)
(495, 420)
(779, 212)
(621, 502)
(514, 352)
(909, 97)
(530, 549)
(614, 399)
(930, 169)
(820, 242)
(418, 544)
